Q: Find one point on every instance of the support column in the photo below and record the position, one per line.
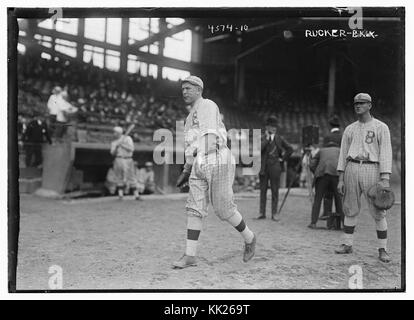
(331, 85)
(240, 81)
(161, 46)
(81, 33)
(196, 47)
(123, 65)
(32, 50)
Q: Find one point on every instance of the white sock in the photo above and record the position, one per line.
(194, 226)
(382, 233)
(349, 225)
(237, 222)
(348, 239)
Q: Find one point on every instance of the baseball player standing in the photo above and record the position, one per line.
(365, 159)
(123, 148)
(209, 169)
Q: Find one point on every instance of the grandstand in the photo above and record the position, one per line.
(126, 70)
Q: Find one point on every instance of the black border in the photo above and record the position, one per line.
(218, 12)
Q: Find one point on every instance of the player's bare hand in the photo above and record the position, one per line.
(341, 187)
(384, 183)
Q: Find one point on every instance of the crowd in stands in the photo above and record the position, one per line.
(96, 93)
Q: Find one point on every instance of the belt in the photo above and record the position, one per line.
(362, 161)
(123, 157)
(218, 148)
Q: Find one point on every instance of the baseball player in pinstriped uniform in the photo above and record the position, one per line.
(123, 148)
(210, 169)
(365, 159)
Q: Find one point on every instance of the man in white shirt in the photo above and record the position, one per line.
(62, 108)
(52, 107)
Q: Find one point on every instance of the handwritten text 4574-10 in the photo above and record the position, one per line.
(227, 28)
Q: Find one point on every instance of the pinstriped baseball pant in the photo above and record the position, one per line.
(358, 178)
(211, 180)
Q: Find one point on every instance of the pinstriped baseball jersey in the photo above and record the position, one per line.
(203, 118)
(367, 141)
(125, 147)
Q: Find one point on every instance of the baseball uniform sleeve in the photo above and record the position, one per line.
(208, 114)
(66, 106)
(345, 144)
(385, 151)
(113, 147)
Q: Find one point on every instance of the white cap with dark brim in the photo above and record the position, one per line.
(362, 97)
(194, 81)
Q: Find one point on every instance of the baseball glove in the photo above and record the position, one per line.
(183, 179)
(382, 197)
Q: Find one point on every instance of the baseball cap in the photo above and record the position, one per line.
(362, 97)
(194, 81)
(56, 89)
(118, 129)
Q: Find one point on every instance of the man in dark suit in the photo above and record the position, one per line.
(334, 136)
(324, 164)
(33, 137)
(274, 151)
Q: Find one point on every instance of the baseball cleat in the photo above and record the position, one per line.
(324, 217)
(383, 255)
(184, 262)
(275, 217)
(344, 249)
(312, 226)
(249, 249)
(262, 216)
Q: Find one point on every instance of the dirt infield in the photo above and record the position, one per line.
(131, 245)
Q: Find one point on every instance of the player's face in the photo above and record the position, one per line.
(271, 129)
(117, 135)
(362, 107)
(190, 92)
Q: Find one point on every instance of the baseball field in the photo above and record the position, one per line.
(110, 244)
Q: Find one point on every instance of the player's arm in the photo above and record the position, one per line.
(127, 143)
(114, 146)
(385, 154)
(67, 107)
(343, 153)
(208, 115)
